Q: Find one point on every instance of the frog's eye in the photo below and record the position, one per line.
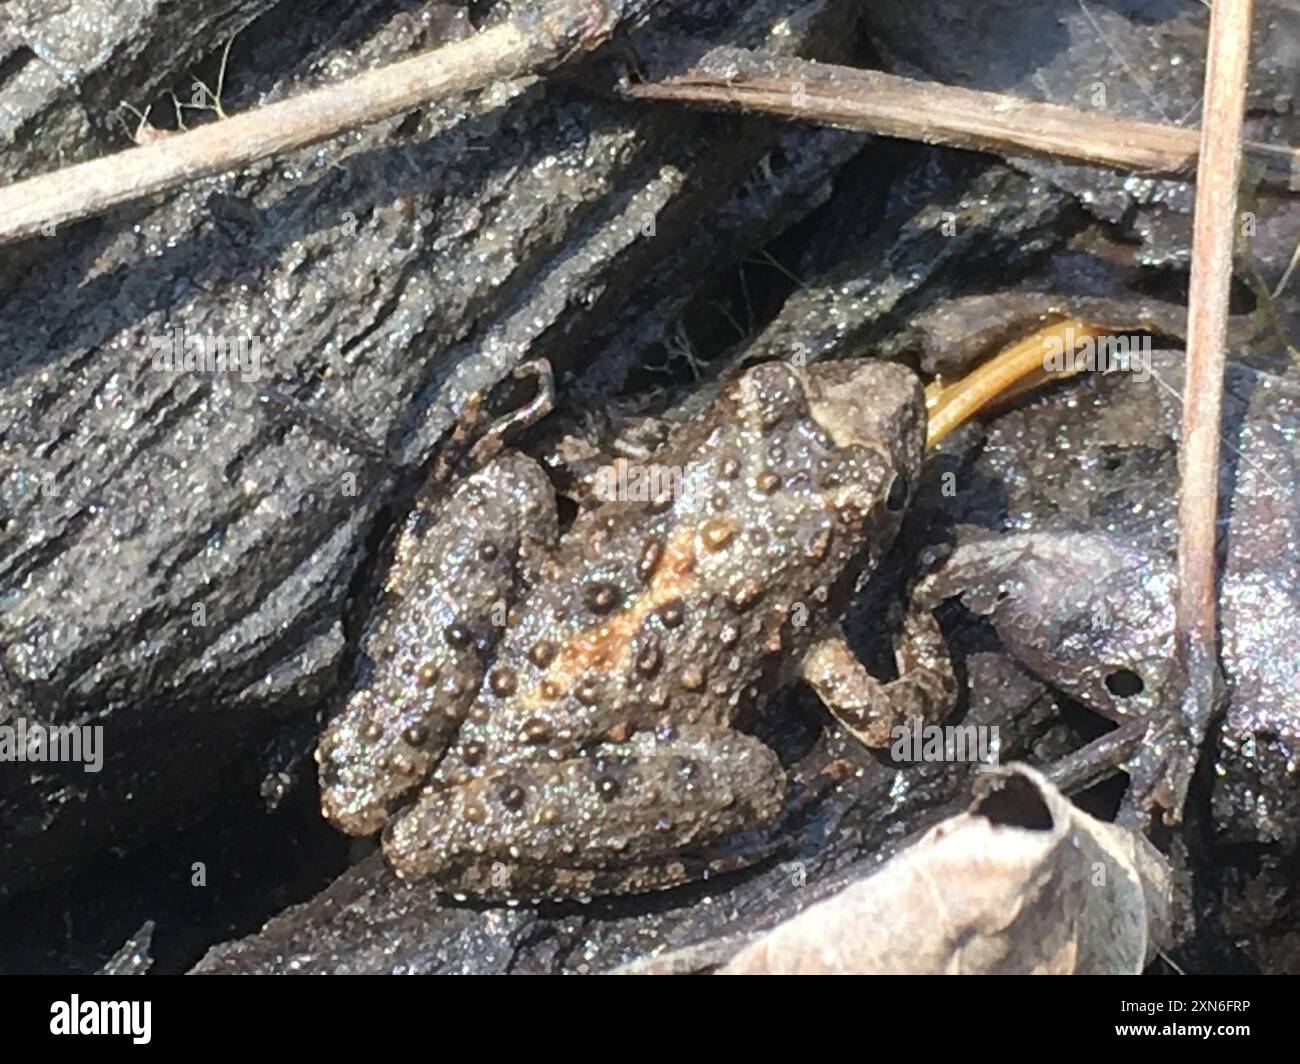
(897, 497)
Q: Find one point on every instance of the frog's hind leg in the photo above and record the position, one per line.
(622, 818)
(456, 571)
(926, 687)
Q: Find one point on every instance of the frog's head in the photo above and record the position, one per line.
(877, 409)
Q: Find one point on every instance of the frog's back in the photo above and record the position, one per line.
(693, 590)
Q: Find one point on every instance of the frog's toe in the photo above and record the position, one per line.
(925, 690)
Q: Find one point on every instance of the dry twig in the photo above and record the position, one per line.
(1165, 768)
(894, 106)
(547, 33)
(540, 37)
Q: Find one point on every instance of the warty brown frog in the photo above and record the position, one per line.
(554, 716)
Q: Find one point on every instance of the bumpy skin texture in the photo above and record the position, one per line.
(456, 569)
(599, 753)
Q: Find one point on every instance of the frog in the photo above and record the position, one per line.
(547, 714)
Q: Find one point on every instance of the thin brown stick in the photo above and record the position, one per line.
(542, 35)
(1100, 758)
(1165, 772)
(893, 106)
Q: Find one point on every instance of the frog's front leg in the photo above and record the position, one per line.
(926, 687)
(457, 567)
(623, 818)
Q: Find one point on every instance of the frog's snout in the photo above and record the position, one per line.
(873, 404)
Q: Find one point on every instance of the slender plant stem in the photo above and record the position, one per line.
(889, 105)
(1173, 753)
(1017, 368)
(542, 35)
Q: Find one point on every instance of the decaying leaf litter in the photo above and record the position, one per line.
(892, 262)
